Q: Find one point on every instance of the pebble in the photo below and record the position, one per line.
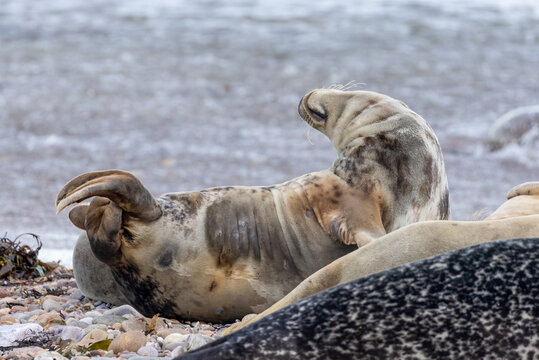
(195, 341)
(8, 320)
(24, 353)
(55, 298)
(50, 319)
(134, 324)
(4, 293)
(87, 320)
(128, 341)
(93, 336)
(24, 316)
(108, 320)
(77, 295)
(77, 323)
(179, 350)
(71, 283)
(166, 332)
(148, 350)
(19, 308)
(50, 355)
(173, 345)
(112, 334)
(72, 333)
(70, 319)
(89, 328)
(94, 313)
(5, 311)
(174, 338)
(12, 335)
(123, 310)
(56, 330)
(50, 305)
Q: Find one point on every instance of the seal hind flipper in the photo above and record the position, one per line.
(77, 215)
(119, 186)
(115, 193)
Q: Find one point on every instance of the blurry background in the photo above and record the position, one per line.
(194, 94)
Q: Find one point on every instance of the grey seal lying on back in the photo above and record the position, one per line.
(220, 253)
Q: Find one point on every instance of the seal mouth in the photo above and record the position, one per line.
(310, 115)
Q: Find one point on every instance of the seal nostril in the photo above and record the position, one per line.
(299, 105)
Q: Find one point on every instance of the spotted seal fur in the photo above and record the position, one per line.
(220, 253)
(475, 303)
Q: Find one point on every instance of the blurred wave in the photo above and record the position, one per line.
(189, 95)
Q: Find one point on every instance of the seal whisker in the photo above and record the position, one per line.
(344, 87)
(308, 135)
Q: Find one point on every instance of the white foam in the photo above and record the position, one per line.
(65, 256)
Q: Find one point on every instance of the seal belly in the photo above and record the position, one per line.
(244, 224)
(276, 226)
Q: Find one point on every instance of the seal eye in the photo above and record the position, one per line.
(318, 116)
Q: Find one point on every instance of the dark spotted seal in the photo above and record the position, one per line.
(474, 303)
(220, 253)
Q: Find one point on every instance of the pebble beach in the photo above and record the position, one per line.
(49, 318)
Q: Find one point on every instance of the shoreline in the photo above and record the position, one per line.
(50, 318)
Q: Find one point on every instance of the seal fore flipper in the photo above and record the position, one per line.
(121, 187)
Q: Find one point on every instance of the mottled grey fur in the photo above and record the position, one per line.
(475, 303)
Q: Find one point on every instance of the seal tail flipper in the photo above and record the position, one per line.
(121, 187)
(528, 188)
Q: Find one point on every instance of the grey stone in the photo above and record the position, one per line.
(66, 283)
(77, 295)
(174, 338)
(12, 335)
(77, 323)
(129, 355)
(49, 355)
(23, 316)
(93, 277)
(102, 327)
(173, 345)
(112, 334)
(87, 320)
(195, 341)
(72, 333)
(51, 305)
(123, 310)
(148, 350)
(108, 319)
(179, 350)
(56, 330)
(94, 313)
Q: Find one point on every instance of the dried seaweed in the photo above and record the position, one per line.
(18, 261)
